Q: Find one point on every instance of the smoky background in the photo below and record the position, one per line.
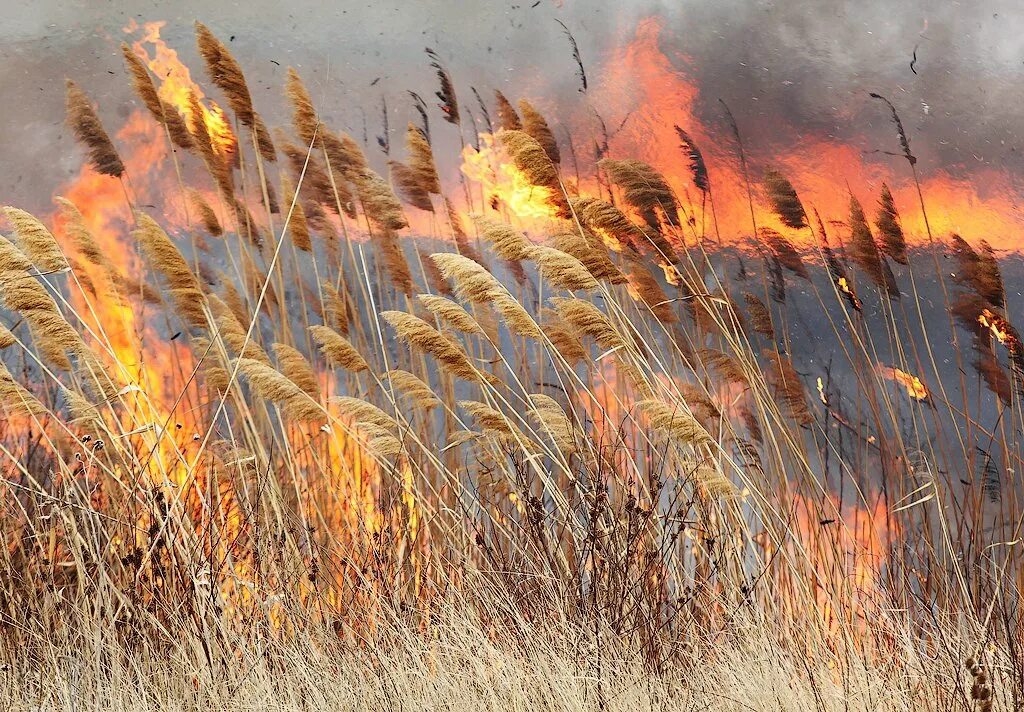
(788, 69)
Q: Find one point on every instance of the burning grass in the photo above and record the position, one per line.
(299, 460)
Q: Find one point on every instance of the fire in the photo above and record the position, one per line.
(999, 327)
(646, 76)
(844, 286)
(176, 86)
(672, 274)
(914, 385)
(850, 538)
(502, 183)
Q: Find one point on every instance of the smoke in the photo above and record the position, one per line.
(786, 68)
(802, 66)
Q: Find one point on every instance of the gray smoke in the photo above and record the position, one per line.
(786, 68)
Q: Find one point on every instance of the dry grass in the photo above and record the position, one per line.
(292, 461)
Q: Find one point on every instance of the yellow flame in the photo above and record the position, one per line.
(501, 181)
(176, 85)
(994, 323)
(915, 386)
(672, 274)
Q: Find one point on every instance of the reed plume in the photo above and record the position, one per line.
(379, 441)
(15, 399)
(465, 247)
(551, 419)
(700, 405)
(361, 411)
(900, 132)
(315, 182)
(164, 257)
(419, 393)
(698, 169)
(336, 308)
(529, 157)
(337, 350)
(784, 251)
(53, 336)
(585, 319)
(563, 340)
(506, 241)
(448, 354)
(298, 228)
(264, 143)
(784, 200)
(450, 313)
(82, 239)
(788, 386)
(978, 271)
(393, 258)
(92, 372)
(304, 117)
(616, 230)
(82, 414)
(644, 189)
(408, 184)
(90, 132)
(421, 159)
(991, 372)
(233, 299)
(297, 369)
(495, 423)
(449, 105)
(231, 330)
(674, 420)
(592, 253)
(226, 74)
(835, 268)
(217, 167)
(724, 366)
(536, 126)
(760, 317)
(887, 220)
(164, 113)
(712, 481)
(11, 258)
(508, 118)
(432, 275)
(7, 338)
(271, 385)
(475, 284)
(865, 253)
(379, 204)
(206, 214)
(644, 286)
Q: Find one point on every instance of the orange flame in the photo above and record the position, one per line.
(176, 86)
(914, 385)
(502, 183)
(999, 327)
(652, 80)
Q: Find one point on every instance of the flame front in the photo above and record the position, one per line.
(502, 184)
(176, 87)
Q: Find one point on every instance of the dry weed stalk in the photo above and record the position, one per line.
(90, 132)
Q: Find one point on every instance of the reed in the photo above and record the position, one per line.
(381, 442)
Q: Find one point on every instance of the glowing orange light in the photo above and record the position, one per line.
(503, 183)
(175, 86)
(672, 274)
(914, 385)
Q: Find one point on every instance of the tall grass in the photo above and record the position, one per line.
(300, 459)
